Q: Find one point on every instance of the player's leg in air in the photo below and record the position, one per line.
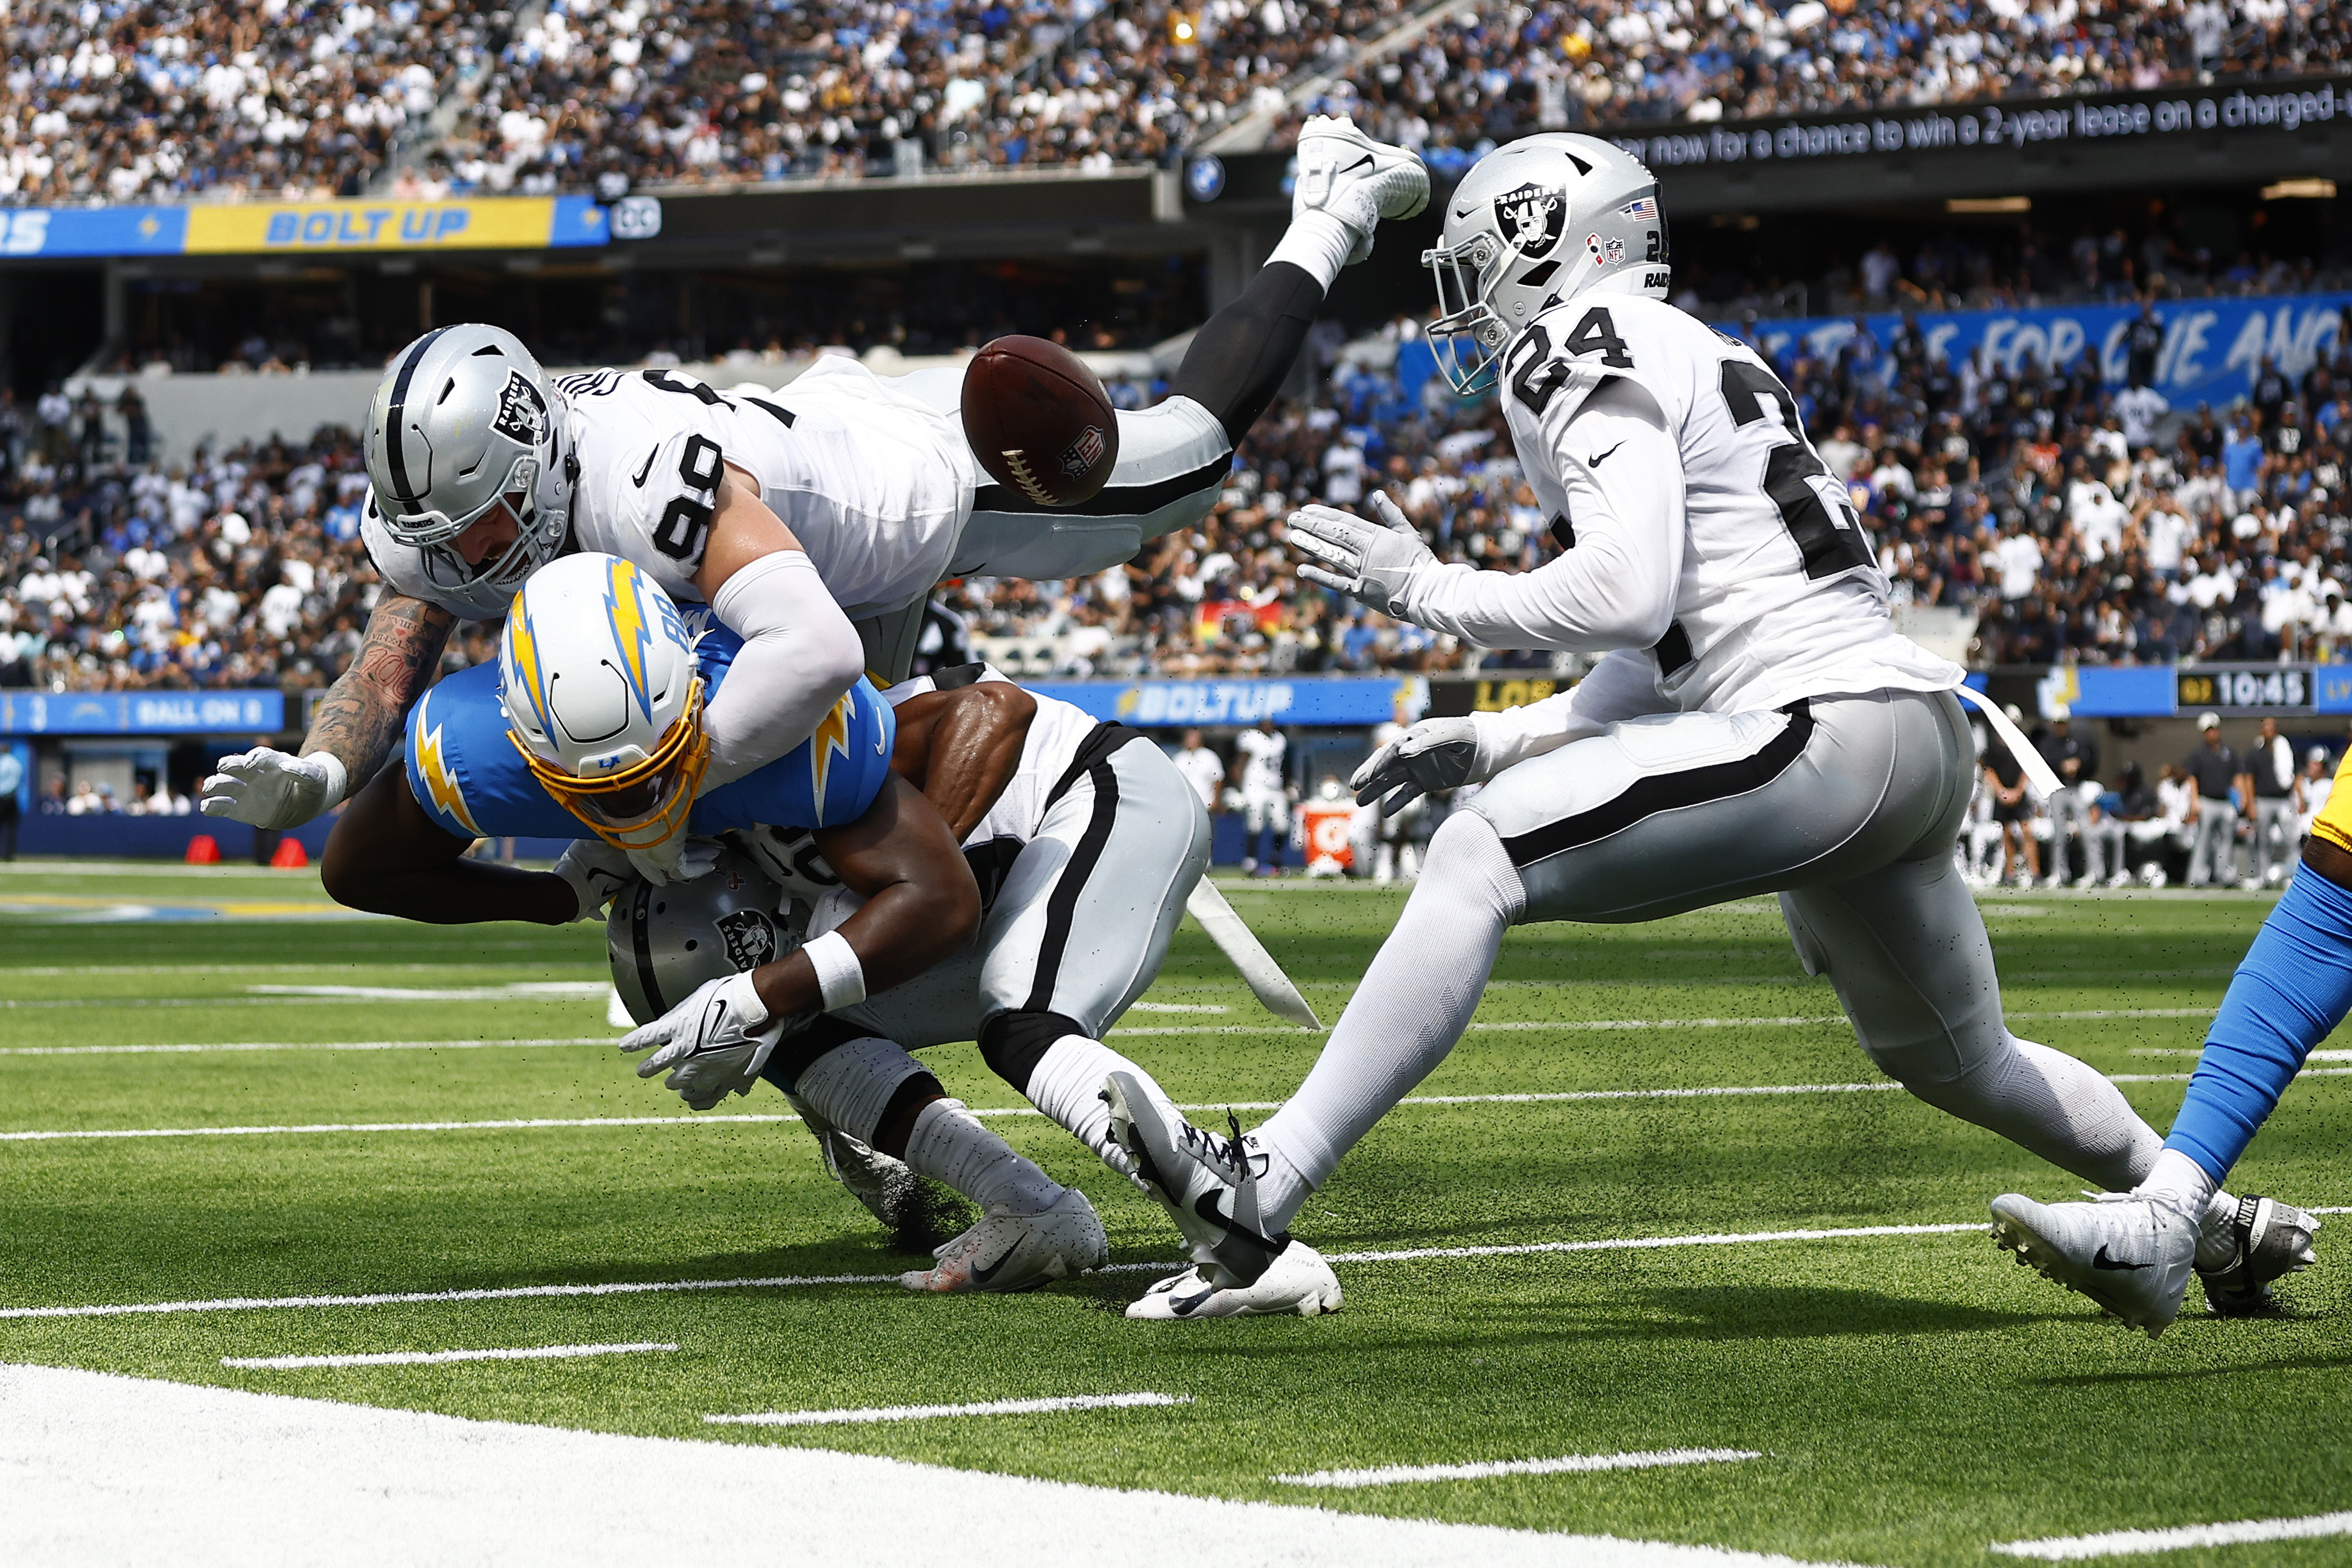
(2133, 1249)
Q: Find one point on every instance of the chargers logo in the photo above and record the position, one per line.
(441, 780)
(832, 736)
(1531, 217)
(632, 634)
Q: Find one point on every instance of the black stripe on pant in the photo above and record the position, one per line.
(1646, 797)
(1062, 904)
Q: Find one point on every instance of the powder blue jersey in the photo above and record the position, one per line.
(474, 783)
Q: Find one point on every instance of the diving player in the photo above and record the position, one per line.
(845, 490)
(1757, 725)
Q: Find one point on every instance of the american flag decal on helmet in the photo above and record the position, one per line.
(1643, 211)
(1085, 452)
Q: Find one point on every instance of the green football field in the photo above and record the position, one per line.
(215, 1094)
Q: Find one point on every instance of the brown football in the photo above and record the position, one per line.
(1039, 421)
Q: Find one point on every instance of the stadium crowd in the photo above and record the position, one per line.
(2075, 520)
(308, 97)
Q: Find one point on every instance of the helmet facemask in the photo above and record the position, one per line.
(644, 803)
(1466, 274)
(541, 520)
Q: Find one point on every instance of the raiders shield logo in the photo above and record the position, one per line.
(522, 414)
(751, 938)
(1084, 453)
(1530, 219)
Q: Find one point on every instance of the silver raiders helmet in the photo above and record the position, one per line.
(665, 941)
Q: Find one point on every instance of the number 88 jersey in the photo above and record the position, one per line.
(1780, 595)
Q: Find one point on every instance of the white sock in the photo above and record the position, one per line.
(1067, 1084)
(1317, 243)
(2051, 1105)
(2181, 1182)
(948, 1144)
(1414, 1003)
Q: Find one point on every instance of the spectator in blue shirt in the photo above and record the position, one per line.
(2241, 463)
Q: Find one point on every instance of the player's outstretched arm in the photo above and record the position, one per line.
(353, 731)
(800, 653)
(387, 856)
(961, 747)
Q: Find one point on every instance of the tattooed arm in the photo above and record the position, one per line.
(357, 723)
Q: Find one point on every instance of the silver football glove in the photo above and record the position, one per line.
(275, 789)
(1434, 754)
(597, 871)
(682, 860)
(1368, 560)
(713, 1043)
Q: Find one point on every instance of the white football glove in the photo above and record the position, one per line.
(682, 860)
(597, 871)
(1368, 561)
(275, 789)
(1434, 754)
(714, 1043)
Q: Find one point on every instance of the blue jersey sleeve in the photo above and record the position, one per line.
(829, 779)
(467, 775)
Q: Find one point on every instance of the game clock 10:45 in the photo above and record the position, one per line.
(2271, 689)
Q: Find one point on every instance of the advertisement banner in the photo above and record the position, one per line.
(142, 712)
(2212, 348)
(2139, 119)
(92, 231)
(1178, 704)
(497, 222)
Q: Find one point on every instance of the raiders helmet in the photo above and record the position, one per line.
(1538, 221)
(463, 419)
(665, 941)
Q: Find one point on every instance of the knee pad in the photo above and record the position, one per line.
(855, 1084)
(1012, 1044)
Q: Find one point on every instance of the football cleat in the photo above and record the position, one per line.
(2132, 1256)
(919, 1212)
(1207, 1183)
(1006, 1252)
(1299, 1281)
(2273, 1240)
(1356, 180)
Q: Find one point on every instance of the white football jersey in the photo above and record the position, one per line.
(875, 484)
(1262, 756)
(1780, 595)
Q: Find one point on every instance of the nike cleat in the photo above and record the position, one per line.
(2271, 1240)
(1207, 1183)
(1006, 1252)
(2132, 1256)
(1300, 1282)
(1356, 180)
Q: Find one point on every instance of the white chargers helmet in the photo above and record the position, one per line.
(665, 941)
(463, 420)
(1533, 223)
(604, 699)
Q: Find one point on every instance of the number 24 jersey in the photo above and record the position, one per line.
(1780, 595)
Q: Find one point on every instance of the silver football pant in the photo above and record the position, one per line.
(2213, 855)
(1846, 806)
(2274, 835)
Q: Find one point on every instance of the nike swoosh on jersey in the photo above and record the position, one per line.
(981, 1276)
(1600, 457)
(2100, 1259)
(640, 480)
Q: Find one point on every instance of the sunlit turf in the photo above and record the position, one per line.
(1915, 1397)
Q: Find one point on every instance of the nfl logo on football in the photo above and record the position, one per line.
(1085, 452)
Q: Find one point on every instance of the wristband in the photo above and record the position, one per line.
(840, 978)
(337, 778)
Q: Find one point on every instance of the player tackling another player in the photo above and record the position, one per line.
(1755, 726)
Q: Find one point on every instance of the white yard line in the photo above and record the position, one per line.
(1573, 1464)
(16, 1003)
(1771, 1021)
(436, 1358)
(2137, 1542)
(299, 1046)
(218, 1470)
(516, 988)
(507, 1125)
(794, 1282)
(940, 1411)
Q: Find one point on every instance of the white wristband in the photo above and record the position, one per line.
(338, 778)
(840, 978)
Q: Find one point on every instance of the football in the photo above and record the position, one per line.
(1039, 420)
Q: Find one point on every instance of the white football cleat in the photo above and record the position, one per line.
(916, 1211)
(1008, 1252)
(1300, 1282)
(1356, 180)
(1207, 1183)
(2269, 1240)
(2132, 1256)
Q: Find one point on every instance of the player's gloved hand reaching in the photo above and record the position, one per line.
(713, 1043)
(1434, 754)
(682, 860)
(1368, 560)
(274, 789)
(597, 870)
